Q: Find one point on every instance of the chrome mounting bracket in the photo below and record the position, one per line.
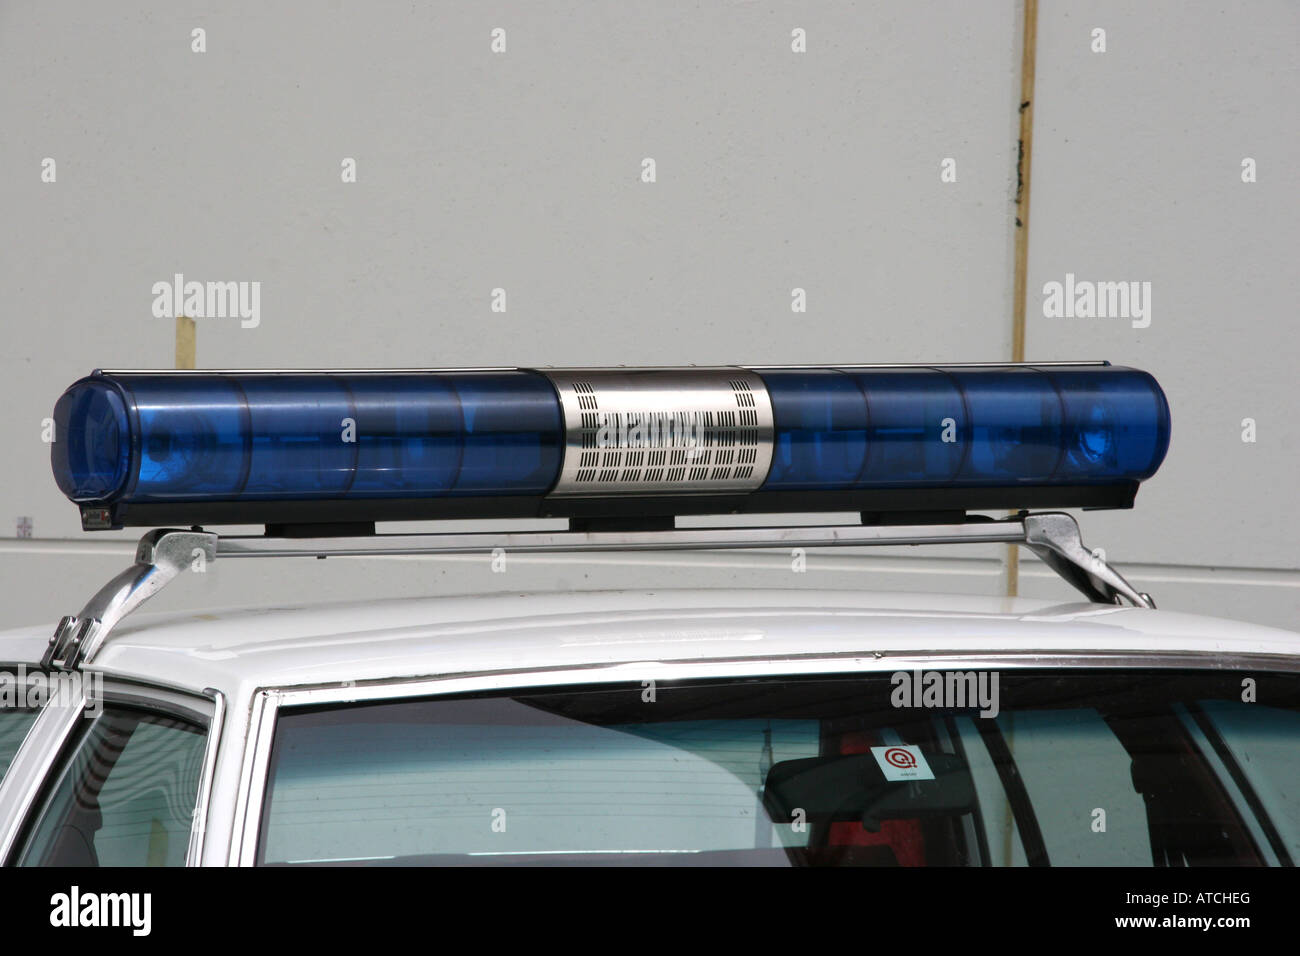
(159, 557)
(164, 553)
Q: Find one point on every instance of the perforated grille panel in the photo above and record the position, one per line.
(661, 431)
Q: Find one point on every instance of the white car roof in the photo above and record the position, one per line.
(237, 650)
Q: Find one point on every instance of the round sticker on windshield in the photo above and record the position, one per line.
(902, 762)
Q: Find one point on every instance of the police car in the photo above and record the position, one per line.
(685, 727)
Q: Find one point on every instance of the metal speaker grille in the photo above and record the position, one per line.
(663, 431)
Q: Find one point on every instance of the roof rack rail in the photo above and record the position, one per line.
(164, 553)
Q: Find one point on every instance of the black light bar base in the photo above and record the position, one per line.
(876, 505)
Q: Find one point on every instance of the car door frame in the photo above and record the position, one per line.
(46, 748)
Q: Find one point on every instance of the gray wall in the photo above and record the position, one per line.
(775, 170)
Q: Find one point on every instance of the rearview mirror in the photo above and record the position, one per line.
(853, 787)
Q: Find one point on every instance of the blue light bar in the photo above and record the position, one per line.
(165, 438)
(316, 447)
(840, 429)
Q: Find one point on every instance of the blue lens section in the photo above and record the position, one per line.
(820, 429)
(471, 433)
(1014, 426)
(301, 444)
(502, 418)
(917, 432)
(254, 437)
(90, 452)
(964, 427)
(1113, 423)
(408, 436)
(190, 437)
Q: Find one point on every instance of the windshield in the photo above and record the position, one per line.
(124, 796)
(1076, 768)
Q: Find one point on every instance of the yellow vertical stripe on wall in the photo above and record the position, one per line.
(1028, 51)
(185, 342)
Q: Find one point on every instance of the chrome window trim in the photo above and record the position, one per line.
(180, 704)
(268, 701)
(202, 805)
(156, 684)
(252, 779)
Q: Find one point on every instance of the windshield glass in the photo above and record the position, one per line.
(124, 796)
(1027, 768)
(14, 724)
